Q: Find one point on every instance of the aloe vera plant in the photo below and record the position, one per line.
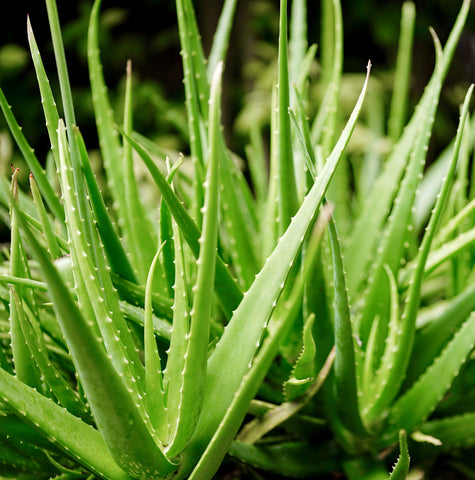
(150, 341)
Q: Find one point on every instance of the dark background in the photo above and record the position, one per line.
(145, 31)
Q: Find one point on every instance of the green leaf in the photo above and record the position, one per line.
(112, 245)
(154, 394)
(196, 356)
(346, 394)
(196, 92)
(49, 105)
(25, 367)
(241, 230)
(257, 428)
(332, 65)
(62, 391)
(92, 277)
(108, 138)
(286, 183)
(453, 432)
(431, 339)
(173, 375)
(77, 439)
(304, 370)
(401, 469)
(420, 400)
(399, 99)
(31, 160)
(221, 37)
(449, 249)
(50, 238)
(393, 244)
(139, 234)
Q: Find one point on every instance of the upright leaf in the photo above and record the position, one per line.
(286, 183)
(196, 356)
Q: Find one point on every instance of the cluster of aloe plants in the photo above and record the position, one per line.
(149, 339)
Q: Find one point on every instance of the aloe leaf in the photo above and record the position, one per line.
(91, 273)
(60, 57)
(450, 228)
(129, 292)
(286, 183)
(302, 165)
(25, 367)
(298, 39)
(173, 375)
(29, 212)
(238, 218)
(69, 114)
(238, 222)
(112, 245)
(332, 54)
(258, 427)
(47, 99)
(421, 399)
(429, 341)
(221, 37)
(136, 315)
(401, 469)
(120, 175)
(346, 394)
(122, 358)
(361, 244)
(399, 100)
(31, 160)
(303, 135)
(257, 166)
(108, 138)
(394, 361)
(226, 287)
(320, 120)
(115, 410)
(16, 459)
(429, 188)
(304, 370)
(133, 293)
(154, 395)
(449, 249)
(62, 391)
(372, 357)
(140, 239)
(373, 384)
(67, 432)
(452, 432)
(35, 284)
(249, 320)
(270, 221)
(189, 45)
(196, 356)
(166, 238)
(50, 238)
(199, 61)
